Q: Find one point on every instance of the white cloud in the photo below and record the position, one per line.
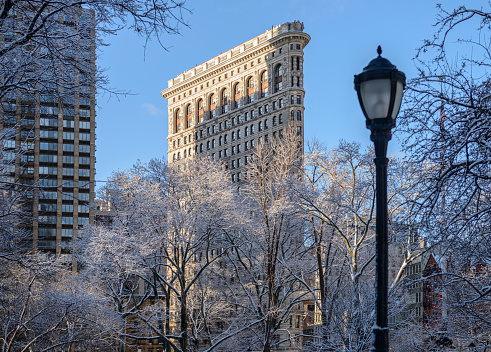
(152, 109)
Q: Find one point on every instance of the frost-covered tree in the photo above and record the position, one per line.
(46, 45)
(157, 261)
(339, 202)
(446, 118)
(269, 256)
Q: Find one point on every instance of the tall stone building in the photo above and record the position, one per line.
(244, 96)
(48, 126)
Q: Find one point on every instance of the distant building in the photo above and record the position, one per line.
(247, 95)
(50, 142)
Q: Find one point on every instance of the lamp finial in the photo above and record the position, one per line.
(379, 50)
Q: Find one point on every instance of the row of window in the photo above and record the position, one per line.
(66, 208)
(51, 232)
(83, 148)
(236, 149)
(67, 171)
(279, 50)
(181, 123)
(65, 195)
(53, 182)
(261, 110)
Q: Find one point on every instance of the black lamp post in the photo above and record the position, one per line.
(380, 87)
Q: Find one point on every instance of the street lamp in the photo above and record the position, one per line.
(380, 87)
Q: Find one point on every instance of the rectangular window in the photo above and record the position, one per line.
(84, 125)
(67, 208)
(84, 136)
(47, 207)
(83, 221)
(83, 208)
(67, 171)
(48, 158)
(67, 220)
(68, 123)
(84, 148)
(47, 195)
(68, 112)
(67, 232)
(67, 196)
(48, 146)
(83, 197)
(68, 159)
(68, 148)
(68, 135)
(84, 172)
(49, 110)
(84, 113)
(48, 122)
(48, 170)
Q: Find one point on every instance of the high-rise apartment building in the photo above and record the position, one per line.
(247, 95)
(49, 129)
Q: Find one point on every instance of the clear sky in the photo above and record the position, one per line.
(345, 35)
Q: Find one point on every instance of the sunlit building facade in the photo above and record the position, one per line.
(247, 95)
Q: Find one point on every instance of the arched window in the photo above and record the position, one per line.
(266, 123)
(212, 105)
(220, 141)
(189, 116)
(299, 115)
(237, 95)
(278, 78)
(185, 153)
(178, 121)
(246, 131)
(264, 84)
(224, 101)
(260, 126)
(200, 110)
(213, 143)
(250, 90)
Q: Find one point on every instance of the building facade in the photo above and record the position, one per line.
(49, 134)
(247, 95)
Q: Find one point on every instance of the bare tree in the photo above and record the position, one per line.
(446, 118)
(157, 260)
(269, 256)
(48, 46)
(339, 201)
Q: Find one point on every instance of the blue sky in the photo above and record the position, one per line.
(344, 37)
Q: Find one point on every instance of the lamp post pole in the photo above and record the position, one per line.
(380, 87)
(380, 137)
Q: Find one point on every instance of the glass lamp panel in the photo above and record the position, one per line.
(376, 98)
(398, 100)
